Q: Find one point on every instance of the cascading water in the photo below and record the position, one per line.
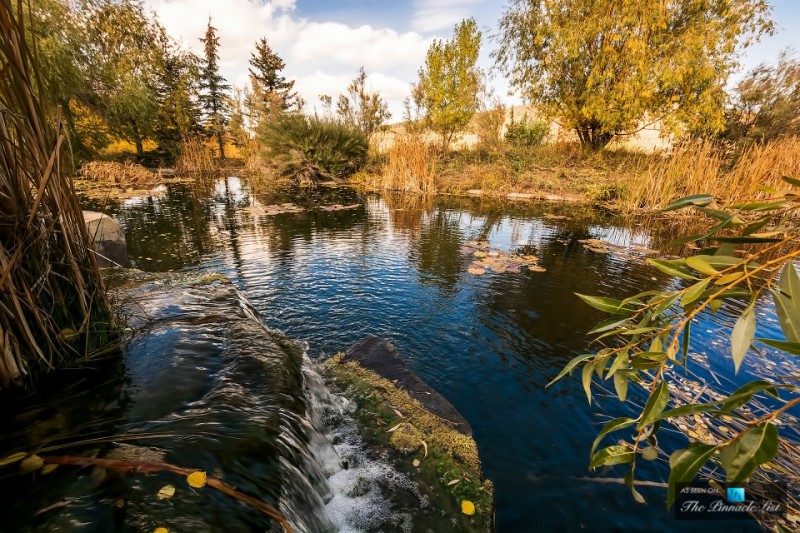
(220, 392)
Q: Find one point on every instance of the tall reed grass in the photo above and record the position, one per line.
(410, 166)
(195, 157)
(708, 167)
(54, 308)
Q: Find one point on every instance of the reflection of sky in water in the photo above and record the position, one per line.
(489, 343)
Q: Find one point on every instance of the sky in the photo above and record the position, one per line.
(323, 43)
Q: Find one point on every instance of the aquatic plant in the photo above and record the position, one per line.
(53, 304)
(119, 174)
(646, 342)
(195, 157)
(410, 166)
(310, 149)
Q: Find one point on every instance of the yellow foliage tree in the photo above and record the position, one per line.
(601, 66)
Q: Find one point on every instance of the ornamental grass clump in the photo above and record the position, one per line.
(313, 149)
(54, 308)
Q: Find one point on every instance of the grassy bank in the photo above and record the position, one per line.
(625, 179)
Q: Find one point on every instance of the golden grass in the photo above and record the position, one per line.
(706, 167)
(196, 157)
(118, 174)
(54, 308)
(410, 166)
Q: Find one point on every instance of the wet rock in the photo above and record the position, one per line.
(380, 356)
(108, 239)
(406, 438)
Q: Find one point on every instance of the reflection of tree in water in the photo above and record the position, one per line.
(173, 230)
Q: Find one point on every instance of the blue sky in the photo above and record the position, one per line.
(325, 42)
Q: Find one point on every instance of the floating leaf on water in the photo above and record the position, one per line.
(476, 271)
(34, 462)
(13, 458)
(166, 492)
(479, 253)
(425, 445)
(415, 462)
(452, 482)
(48, 468)
(197, 479)
(468, 508)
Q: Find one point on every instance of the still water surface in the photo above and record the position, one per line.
(394, 266)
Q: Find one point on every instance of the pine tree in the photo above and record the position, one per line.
(214, 89)
(273, 93)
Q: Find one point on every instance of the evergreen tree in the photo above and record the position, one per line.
(178, 114)
(214, 89)
(272, 93)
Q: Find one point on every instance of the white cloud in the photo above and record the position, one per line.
(435, 15)
(321, 56)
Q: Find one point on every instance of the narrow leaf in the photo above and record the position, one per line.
(742, 337)
(613, 455)
(608, 305)
(695, 199)
(672, 269)
(756, 447)
(621, 385)
(655, 405)
(610, 427)
(700, 264)
(572, 364)
(788, 347)
(694, 292)
(684, 465)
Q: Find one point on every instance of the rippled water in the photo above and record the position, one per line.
(394, 266)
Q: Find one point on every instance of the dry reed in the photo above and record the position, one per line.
(705, 167)
(195, 157)
(53, 305)
(118, 174)
(411, 166)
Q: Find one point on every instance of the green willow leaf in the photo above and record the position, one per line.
(684, 240)
(756, 447)
(586, 378)
(672, 268)
(791, 181)
(787, 303)
(694, 200)
(613, 455)
(608, 324)
(629, 483)
(694, 292)
(610, 427)
(655, 405)
(690, 409)
(684, 465)
(701, 264)
(745, 240)
(742, 337)
(743, 394)
(621, 385)
(608, 305)
(788, 347)
(572, 364)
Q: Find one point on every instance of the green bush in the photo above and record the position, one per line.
(311, 149)
(527, 133)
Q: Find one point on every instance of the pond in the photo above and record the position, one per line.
(397, 266)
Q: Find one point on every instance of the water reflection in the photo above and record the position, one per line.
(394, 266)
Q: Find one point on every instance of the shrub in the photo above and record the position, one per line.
(311, 149)
(527, 133)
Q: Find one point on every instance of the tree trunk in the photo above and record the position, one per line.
(221, 145)
(139, 147)
(592, 135)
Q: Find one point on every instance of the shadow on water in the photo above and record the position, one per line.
(395, 266)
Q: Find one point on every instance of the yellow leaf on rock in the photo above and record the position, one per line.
(425, 445)
(196, 479)
(453, 482)
(161, 530)
(166, 492)
(34, 462)
(415, 462)
(13, 458)
(48, 468)
(467, 507)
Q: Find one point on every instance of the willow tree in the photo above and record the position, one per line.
(361, 107)
(447, 91)
(603, 66)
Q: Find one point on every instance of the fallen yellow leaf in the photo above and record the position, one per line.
(13, 458)
(467, 507)
(453, 482)
(395, 427)
(415, 462)
(425, 445)
(196, 479)
(166, 492)
(398, 413)
(161, 530)
(48, 468)
(34, 462)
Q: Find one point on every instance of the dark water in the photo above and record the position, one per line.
(394, 267)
